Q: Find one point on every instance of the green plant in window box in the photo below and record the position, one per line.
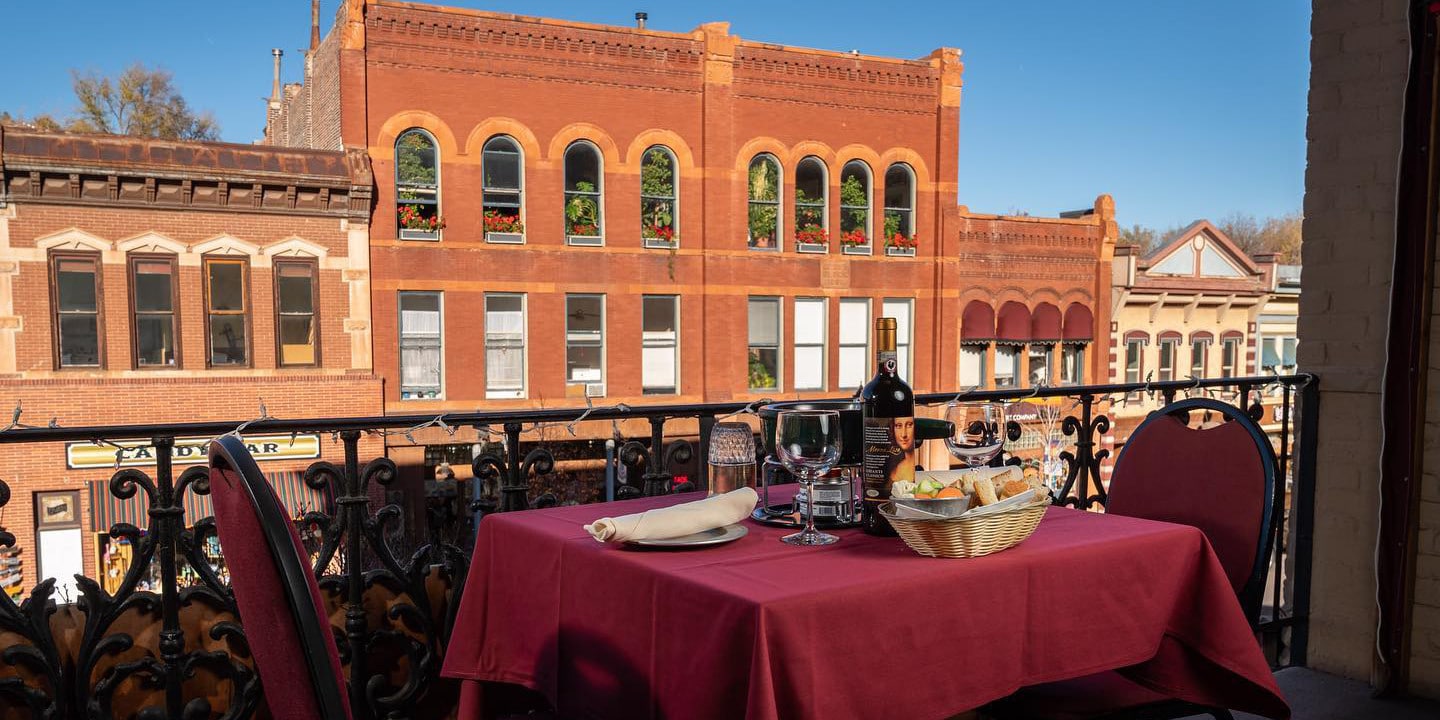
(760, 377)
(582, 211)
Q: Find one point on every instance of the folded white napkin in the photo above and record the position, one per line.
(677, 520)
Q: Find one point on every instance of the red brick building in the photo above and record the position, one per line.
(149, 281)
(566, 209)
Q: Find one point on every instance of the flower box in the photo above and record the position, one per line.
(659, 243)
(856, 249)
(897, 251)
(585, 240)
(414, 234)
(505, 238)
(811, 247)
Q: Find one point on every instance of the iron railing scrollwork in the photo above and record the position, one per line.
(393, 656)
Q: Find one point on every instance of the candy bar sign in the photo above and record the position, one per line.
(188, 451)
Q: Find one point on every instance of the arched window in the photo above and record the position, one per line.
(764, 203)
(417, 186)
(584, 195)
(855, 207)
(899, 210)
(811, 233)
(502, 167)
(659, 198)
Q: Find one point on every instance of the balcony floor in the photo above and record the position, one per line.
(1317, 696)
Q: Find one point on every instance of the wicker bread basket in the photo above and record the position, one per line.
(967, 536)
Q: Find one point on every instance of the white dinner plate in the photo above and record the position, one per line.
(717, 536)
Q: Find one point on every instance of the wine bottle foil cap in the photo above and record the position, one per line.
(732, 443)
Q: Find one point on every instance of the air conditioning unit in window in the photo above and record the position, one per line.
(594, 390)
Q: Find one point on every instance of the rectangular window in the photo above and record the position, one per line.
(75, 284)
(1168, 348)
(660, 344)
(972, 365)
(1040, 365)
(1229, 356)
(1007, 365)
(295, 301)
(1198, 351)
(227, 311)
(764, 345)
(810, 325)
(854, 342)
(504, 346)
(152, 289)
(901, 309)
(421, 345)
(585, 341)
(1277, 354)
(1134, 360)
(1072, 364)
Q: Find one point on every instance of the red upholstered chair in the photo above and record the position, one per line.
(1220, 479)
(279, 602)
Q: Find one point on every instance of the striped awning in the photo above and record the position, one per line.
(107, 510)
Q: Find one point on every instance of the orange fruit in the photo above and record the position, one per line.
(950, 492)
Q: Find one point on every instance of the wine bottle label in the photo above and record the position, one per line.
(889, 455)
(887, 361)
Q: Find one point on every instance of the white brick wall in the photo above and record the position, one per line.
(1359, 57)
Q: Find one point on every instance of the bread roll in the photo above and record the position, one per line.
(985, 492)
(1013, 488)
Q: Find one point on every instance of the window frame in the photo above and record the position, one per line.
(55, 258)
(1167, 344)
(246, 311)
(675, 346)
(494, 393)
(604, 369)
(519, 190)
(1046, 351)
(598, 195)
(906, 339)
(822, 204)
(778, 303)
(1201, 343)
(436, 191)
(132, 260)
(867, 355)
(1012, 350)
(1138, 346)
(823, 345)
(983, 351)
(674, 200)
(910, 182)
(869, 207)
(1072, 362)
(400, 342)
(314, 266)
(778, 203)
(1231, 345)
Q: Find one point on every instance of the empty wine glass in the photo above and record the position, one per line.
(808, 443)
(979, 431)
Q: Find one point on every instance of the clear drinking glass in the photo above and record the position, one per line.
(979, 431)
(732, 457)
(808, 443)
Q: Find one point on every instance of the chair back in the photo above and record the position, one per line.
(275, 591)
(1220, 479)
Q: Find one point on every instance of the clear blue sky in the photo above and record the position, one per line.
(1180, 110)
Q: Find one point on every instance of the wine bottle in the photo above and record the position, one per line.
(889, 431)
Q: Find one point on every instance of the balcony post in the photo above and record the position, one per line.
(515, 495)
(657, 478)
(354, 506)
(165, 516)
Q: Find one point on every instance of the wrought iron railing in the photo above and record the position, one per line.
(101, 665)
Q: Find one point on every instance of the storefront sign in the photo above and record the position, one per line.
(188, 451)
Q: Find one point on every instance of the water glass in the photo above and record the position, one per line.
(979, 431)
(732, 457)
(808, 443)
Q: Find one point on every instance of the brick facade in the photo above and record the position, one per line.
(716, 101)
(1359, 55)
(110, 199)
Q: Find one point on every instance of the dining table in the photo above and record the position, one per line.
(865, 627)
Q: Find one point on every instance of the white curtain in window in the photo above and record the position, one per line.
(901, 309)
(1007, 364)
(505, 343)
(972, 365)
(854, 342)
(809, 344)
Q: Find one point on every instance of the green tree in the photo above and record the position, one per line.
(1144, 237)
(142, 102)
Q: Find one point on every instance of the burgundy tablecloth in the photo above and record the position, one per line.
(861, 628)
